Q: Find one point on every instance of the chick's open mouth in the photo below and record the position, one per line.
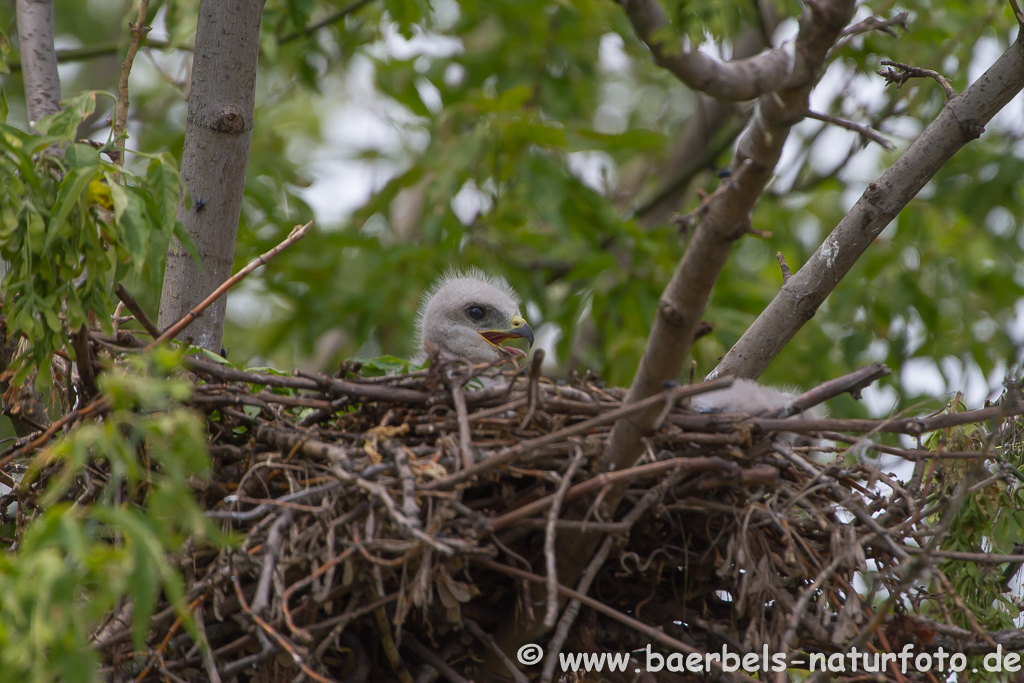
(496, 337)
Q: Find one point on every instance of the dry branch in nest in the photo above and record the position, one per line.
(388, 534)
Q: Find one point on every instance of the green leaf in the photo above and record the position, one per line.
(136, 229)
(164, 186)
(70, 196)
(64, 123)
(80, 155)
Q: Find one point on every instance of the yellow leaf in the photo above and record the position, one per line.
(99, 193)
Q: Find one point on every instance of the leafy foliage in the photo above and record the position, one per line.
(76, 562)
(71, 226)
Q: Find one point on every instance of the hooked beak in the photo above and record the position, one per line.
(518, 329)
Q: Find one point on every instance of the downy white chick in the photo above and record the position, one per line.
(468, 315)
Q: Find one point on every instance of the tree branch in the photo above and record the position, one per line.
(38, 58)
(138, 31)
(907, 72)
(867, 134)
(962, 119)
(744, 79)
(727, 218)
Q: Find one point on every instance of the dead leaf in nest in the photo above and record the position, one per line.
(370, 448)
(452, 593)
(387, 431)
(845, 628)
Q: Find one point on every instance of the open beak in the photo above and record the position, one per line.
(518, 329)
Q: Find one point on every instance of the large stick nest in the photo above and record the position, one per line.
(425, 525)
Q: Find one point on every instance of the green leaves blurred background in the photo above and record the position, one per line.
(522, 136)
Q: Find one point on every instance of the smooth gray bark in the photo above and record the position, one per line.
(725, 219)
(38, 58)
(218, 135)
(735, 81)
(962, 119)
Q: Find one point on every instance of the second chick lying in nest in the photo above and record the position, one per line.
(750, 398)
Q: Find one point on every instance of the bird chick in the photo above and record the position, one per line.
(469, 315)
(750, 398)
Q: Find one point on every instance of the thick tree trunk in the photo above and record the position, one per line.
(38, 58)
(217, 139)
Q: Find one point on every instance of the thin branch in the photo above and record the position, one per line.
(876, 24)
(138, 31)
(906, 72)
(867, 133)
(735, 81)
(140, 314)
(1015, 8)
(851, 383)
(786, 272)
(297, 233)
(488, 640)
(554, 511)
(310, 29)
(462, 414)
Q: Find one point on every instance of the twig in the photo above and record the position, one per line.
(98, 405)
(310, 29)
(355, 390)
(261, 601)
(1017, 13)
(400, 454)
(83, 360)
(867, 133)
(302, 583)
(205, 651)
(281, 641)
(268, 506)
(138, 31)
(852, 383)
(140, 315)
(686, 222)
(551, 612)
(534, 391)
(876, 24)
(786, 272)
(429, 656)
(465, 437)
(981, 558)
(907, 72)
(492, 645)
(948, 586)
(801, 606)
(297, 233)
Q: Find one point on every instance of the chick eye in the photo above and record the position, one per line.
(475, 312)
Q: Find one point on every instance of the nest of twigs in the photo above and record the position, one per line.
(427, 525)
